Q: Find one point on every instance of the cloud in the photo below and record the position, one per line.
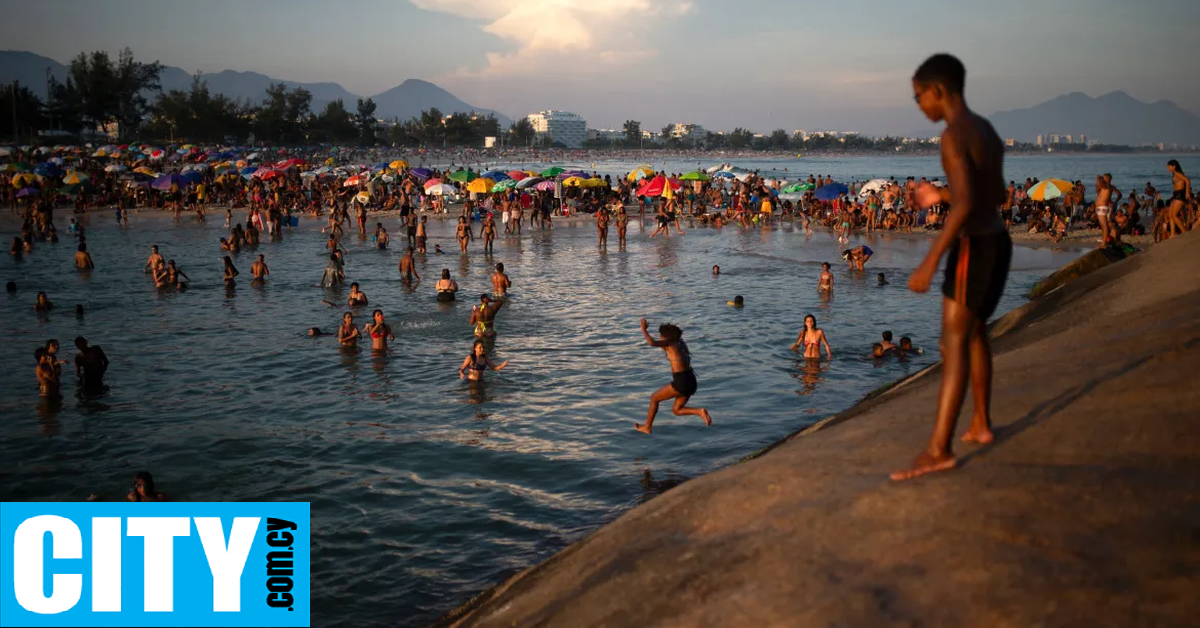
(564, 36)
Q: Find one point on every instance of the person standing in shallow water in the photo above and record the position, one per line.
(683, 379)
(380, 331)
(979, 255)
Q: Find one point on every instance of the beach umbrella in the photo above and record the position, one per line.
(100, 153)
(463, 176)
(831, 191)
(6, 151)
(1049, 189)
(553, 171)
(363, 197)
(529, 182)
(251, 156)
(23, 179)
(495, 175)
(420, 173)
(75, 189)
(268, 174)
(641, 171)
(572, 182)
(115, 168)
(432, 182)
(874, 185)
(74, 177)
(695, 176)
(357, 179)
(506, 184)
(441, 189)
(167, 180)
(15, 167)
(543, 185)
(398, 164)
(157, 154)
(658, 186)
(594, 182)
(47, 169)
(482, 185)
(797, 188)
(518, 175)
(23, 192)
(724, 174)
(193, 177)
(573, 173)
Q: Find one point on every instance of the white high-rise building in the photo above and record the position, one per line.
(563, 127)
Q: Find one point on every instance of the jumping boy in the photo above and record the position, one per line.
(683, 379)
(980, 252)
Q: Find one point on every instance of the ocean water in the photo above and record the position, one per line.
(425, 491)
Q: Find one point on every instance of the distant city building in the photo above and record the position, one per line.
(691, 133)
(1054, 139)
(1070, 139)
(1082, 139)
(489, 142)
(606, 135)
(800, 133)
(562, 127)
(1040, 141)
(652, 137)
(1010, 142)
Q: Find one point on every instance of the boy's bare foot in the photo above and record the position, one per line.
(926, 463)
(978, 433)
(706, 416)
(645, 429)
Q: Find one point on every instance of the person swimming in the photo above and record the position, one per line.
(737, 301)
(716, 270)
(357, 297)
(143, 489)
(446, 287)
(882, 280)
(483, 316)
(812, 338)
(825, 281)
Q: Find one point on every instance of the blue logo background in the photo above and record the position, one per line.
(193, 586)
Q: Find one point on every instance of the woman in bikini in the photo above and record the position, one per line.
(348, 333)
(483, 316)
(1182, 193)
(477, 362)
(463, 234)
(357, 297)
(230, 271)
(380, 332)
(812, 338)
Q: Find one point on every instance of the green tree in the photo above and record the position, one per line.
(779, 139)
(521, 132)
(113, 92)
(64, 107)
(633, 133)
(334, 124)
(740, 138)
(366, 121)
(281, 118)
(198, 115)
(28, 112)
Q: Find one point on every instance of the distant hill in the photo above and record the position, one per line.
(1115, 118)
(404, 101)
(410, 98)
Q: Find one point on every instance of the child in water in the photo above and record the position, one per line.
(737, 301)
(477, 362)
(683, 380)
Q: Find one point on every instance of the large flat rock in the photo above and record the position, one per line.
(1084, 512)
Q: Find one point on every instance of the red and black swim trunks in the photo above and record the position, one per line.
(976, 270)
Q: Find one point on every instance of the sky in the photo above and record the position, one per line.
(759, 64)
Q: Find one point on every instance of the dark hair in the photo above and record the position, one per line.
(500, 266)
(38, 353)
(445, 273)
(376, 313)
(1175, 164)
(670, 331)
(80, 340)
(353, 284)
(82, 247)
(942, 69)
(146, 479)
(905, 340)
(739, 300)
(11, 286)
(887, 335)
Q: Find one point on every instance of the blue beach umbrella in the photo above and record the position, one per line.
(831, 191)
(164, 182)
(495, 175)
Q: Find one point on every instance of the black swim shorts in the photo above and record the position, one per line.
(976, 270)
(684, 382)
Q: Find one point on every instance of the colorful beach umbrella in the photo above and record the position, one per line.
(441, 189)
(530, 182)
(495, 175)
(797, 188)
(167, 180)
(115, 168)
(553, 171)
(23, 192)
(1049, 189)
(518, 175)
(357, 179)
(23, 179)
(74, 177)
(571, 182)
(398, 164)
(831, 191)
(695, 176)
(463, 176)
(658, 186)
(420, 173)
(481, 185)
(640, 172)
(506, 184)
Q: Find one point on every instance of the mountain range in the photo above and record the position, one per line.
(406, 100)
(1114, 118)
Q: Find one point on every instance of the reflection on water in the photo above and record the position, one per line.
(425, 489)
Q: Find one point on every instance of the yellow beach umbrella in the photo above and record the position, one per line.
(146, 171)
(592, 183)
(398, 164)
(643, 170)
(482, 185)
(1049, 189)
(571, 182)
(23, 179)
(74, 177)
(363, 197)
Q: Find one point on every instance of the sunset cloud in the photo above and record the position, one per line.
(551, 36)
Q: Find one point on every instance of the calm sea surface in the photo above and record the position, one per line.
(423, 491)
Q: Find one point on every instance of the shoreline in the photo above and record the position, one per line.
(1076, 239)
(694, 541)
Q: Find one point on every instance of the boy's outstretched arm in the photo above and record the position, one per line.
(650, 339)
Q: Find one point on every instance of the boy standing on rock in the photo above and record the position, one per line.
(980, 251)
